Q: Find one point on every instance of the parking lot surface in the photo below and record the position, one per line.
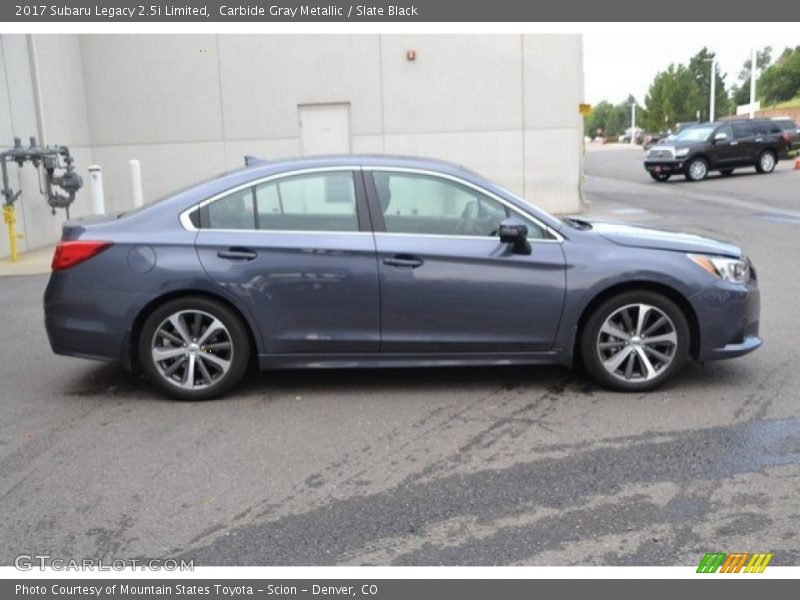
(472, 466)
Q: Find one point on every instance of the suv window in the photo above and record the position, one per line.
(424, 204)
(309, 202)
(742, 130)
(766, 127)
(727, 130)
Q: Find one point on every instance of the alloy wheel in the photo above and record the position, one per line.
(698, 170)
(767, 162)
(192, 349)
(637, 343)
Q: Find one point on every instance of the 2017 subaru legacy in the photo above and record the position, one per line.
(371, 261)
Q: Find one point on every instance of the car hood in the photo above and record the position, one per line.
(660, 239)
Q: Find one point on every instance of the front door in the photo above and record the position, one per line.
(297, 250)
(447, 282)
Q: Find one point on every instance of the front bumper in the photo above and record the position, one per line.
(662, 166)
(728, 320)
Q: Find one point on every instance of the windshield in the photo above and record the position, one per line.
(695, 134)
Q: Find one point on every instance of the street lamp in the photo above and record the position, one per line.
(713, 91)
(633, 123)
(753, 67)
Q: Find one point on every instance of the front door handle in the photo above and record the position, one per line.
(237, 254)
(403, 260)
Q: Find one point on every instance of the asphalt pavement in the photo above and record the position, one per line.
(490, 466)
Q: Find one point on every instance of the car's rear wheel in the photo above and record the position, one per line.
(766, 162)
(194, 348)
(635, 341)
(697, 170)
(659, 176)
(726, 172)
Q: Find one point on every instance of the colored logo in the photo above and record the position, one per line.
(736, 562)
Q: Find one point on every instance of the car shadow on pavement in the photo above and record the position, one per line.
(109, 381)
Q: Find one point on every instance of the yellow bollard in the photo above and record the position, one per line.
(10, 218)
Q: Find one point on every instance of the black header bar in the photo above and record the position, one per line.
(409, 11)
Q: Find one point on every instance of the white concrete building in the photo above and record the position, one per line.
(190, 106)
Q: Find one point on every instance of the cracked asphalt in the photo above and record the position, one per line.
(426, 467)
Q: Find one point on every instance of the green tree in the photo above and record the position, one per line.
(781, 81)
(681, 93)
(671, 98)
(611, 120)
(700, 67)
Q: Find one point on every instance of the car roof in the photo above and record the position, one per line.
(364, 160)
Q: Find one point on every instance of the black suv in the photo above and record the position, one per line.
(722, 146)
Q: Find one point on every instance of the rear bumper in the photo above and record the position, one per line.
(728, 318)
(87, 323)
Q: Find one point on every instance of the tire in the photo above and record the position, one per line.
(766, 162)
(660, 176)
(198, 338)
(726, 172)
(602, 353)
(697, 169)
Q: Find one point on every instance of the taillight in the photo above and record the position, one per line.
(71, 253)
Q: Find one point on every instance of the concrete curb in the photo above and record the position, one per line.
(35, 262)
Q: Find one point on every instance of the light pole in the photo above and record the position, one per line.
(633, 122)
(713, 89)
(753, 67)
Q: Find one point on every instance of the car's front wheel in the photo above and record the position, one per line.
(766, 162)
(194, 348)
(659, 176)
(635, 341)
(697, 170)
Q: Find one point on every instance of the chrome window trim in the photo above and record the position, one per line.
(557, 237)
(189, 226)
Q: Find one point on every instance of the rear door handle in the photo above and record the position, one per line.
(237, 254)
(403, 260)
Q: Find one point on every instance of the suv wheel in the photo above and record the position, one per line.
(194, 348)
(697, 170)
(635, 341)
(659, 176)
(766, 162)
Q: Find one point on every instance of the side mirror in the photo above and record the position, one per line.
(720, 137)
(515, 232)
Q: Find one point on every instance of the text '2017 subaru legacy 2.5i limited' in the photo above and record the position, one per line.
(371, 261)
(724, 147)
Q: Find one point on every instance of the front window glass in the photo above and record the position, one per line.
(423, 204)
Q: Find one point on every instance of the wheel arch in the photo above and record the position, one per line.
(651, 286)
(131, 358)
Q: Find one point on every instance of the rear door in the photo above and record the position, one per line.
(298, 250)
(447, 282)
(744, 145)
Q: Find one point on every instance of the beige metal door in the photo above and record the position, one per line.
(324, 128)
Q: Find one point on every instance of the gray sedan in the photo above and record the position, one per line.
(374, 261)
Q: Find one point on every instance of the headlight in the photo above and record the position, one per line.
(681, 152)
(730, 269)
